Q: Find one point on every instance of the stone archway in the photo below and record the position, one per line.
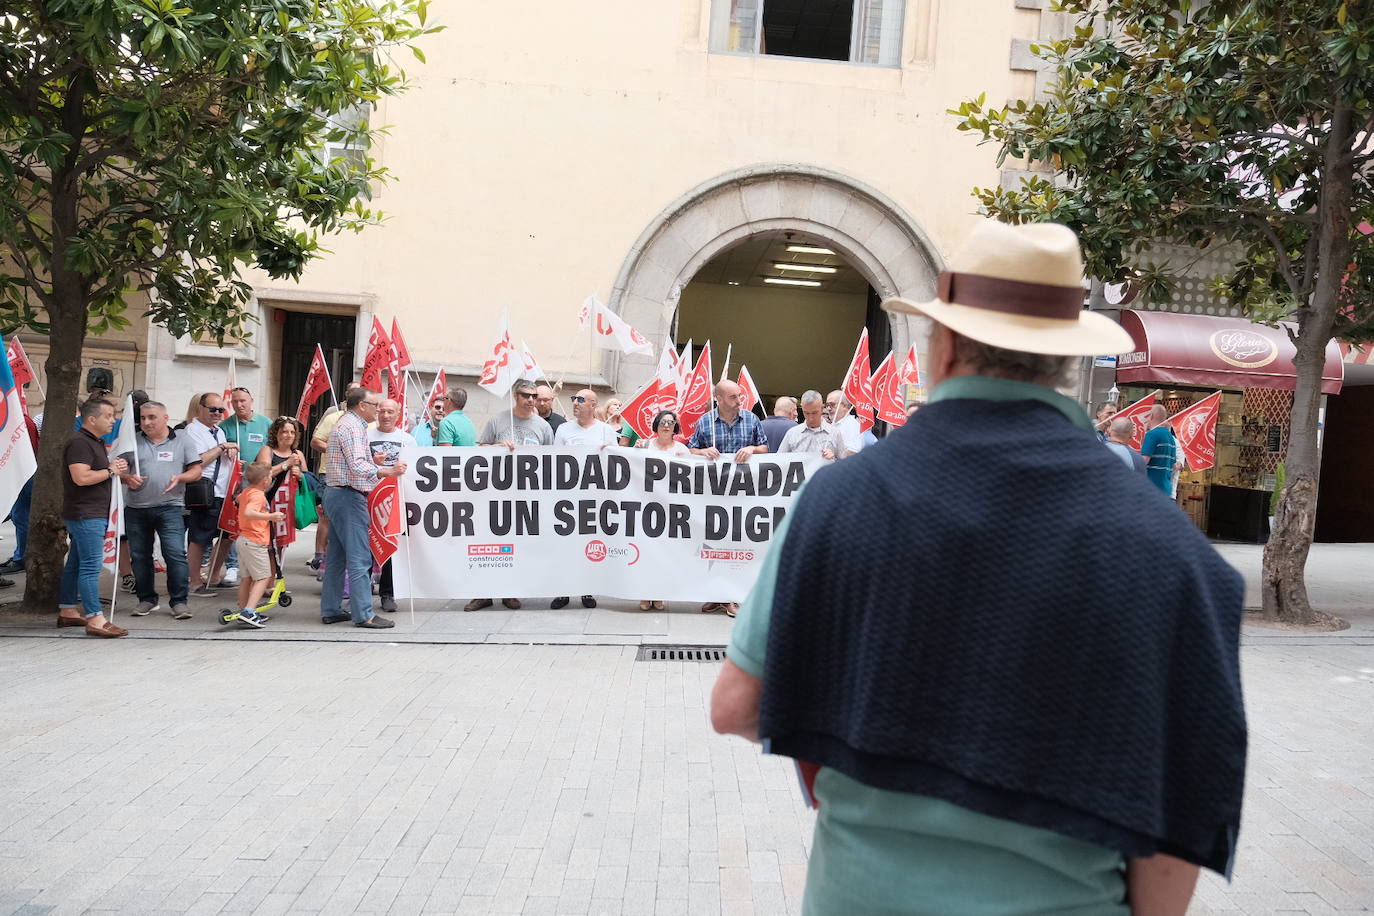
(871, 231)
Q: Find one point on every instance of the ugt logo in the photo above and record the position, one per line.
(596, 551)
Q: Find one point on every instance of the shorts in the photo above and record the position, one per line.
(202, 525)
(318, 481)
(254, 562)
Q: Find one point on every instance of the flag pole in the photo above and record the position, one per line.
(115, 502)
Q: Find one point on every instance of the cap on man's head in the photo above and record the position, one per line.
(1020, 288)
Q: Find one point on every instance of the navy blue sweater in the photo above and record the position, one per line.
(989, 608)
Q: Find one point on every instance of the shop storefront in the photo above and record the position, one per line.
(1188, 357)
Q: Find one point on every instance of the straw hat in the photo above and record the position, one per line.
(1020, 288)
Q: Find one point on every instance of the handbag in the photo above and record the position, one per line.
(200, 494)
(306, 514)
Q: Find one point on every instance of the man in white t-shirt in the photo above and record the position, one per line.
(844, 424)
(584, 430)
(386, 441)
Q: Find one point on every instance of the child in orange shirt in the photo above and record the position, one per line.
(255, 533)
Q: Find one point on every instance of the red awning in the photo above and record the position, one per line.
(1214, 353)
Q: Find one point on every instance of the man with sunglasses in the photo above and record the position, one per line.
(217, 457)
(585, 431)
(520, 426)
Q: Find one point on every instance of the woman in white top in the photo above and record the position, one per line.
(665, 428)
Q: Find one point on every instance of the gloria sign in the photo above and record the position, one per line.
(625, 523)
(1217, 352)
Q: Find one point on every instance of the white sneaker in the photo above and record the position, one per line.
(231, 576)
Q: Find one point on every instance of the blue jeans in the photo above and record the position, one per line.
(81, 575)
(19, 514)
(348, 551)
(169, 525)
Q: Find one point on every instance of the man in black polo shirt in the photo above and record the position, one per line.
(85, 512)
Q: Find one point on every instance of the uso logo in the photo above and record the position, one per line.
(596, 551)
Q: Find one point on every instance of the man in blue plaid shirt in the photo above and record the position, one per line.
(724, 431)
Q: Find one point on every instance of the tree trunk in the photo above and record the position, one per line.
(47, 545)
(1283, 585)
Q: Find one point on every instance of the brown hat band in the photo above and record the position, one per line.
(1034, 300)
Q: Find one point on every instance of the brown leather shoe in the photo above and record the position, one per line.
(106, 630)
(512, 603)
(476, 604)
(645, 605)
(70, 621)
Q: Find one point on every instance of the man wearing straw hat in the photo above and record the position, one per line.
(926, 637)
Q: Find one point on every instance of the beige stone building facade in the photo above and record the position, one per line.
(668, 157)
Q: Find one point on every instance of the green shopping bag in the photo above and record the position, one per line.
(306, 513)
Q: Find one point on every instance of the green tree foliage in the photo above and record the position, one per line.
(1237, 124)
(163, 146)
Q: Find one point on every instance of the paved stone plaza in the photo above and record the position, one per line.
(454, 767)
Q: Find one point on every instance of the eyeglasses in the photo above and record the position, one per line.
(529, 395)
(578, 399)
(373, 403)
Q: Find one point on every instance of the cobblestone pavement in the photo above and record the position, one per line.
(207, 773)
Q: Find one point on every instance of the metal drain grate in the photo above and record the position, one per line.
(681, 654)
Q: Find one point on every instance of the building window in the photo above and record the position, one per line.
(859, 31)
(345, 139)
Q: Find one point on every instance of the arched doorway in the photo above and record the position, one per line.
(867, 232)
(790, 306)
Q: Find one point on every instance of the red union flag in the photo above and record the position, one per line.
(858, 384)
(229, 512)
(909, 375)
(384, 519)
(20, 368)
(378, 356)
(436, 391)
(886, 393)
(749, 392)
(696, 400)
(1196, 428)
(317, 382)
(284, 500)
(1139, 415)
(641, 409)
(505, 365)
(398, 357)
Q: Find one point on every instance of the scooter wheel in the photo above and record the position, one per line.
(284, 600)
(226, 617)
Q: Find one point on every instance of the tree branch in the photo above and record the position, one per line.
(1285, 263)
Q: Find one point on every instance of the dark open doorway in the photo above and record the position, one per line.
(300, 333)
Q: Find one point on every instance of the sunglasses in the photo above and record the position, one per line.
(244, 390)
(216, 410)
(528, 395)
(578, 399)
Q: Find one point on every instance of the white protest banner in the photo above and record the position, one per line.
(620, 522)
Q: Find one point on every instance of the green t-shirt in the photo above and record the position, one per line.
(628, 432)
(250, 436)
(456, 429)
(881, 852)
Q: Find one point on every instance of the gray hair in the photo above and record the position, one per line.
(523, 384)
(158, 404)
(1037, 368)
(458, 396)
(812, 396)
(1121, 428)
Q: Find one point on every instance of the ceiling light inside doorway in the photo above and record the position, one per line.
(809, 268)
(808, 249)
(788, 281)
